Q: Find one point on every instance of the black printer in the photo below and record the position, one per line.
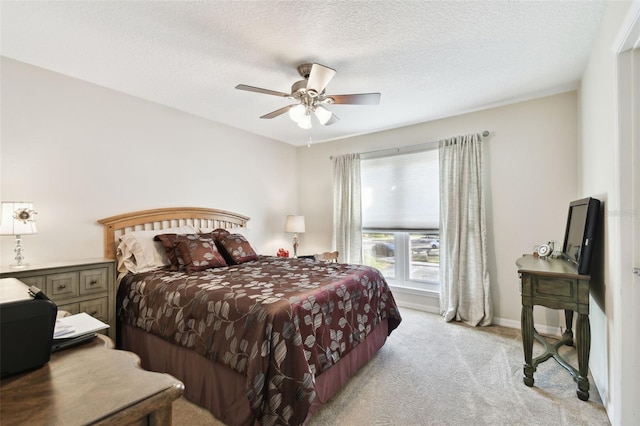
(27, 321)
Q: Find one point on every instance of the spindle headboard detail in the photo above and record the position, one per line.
(200, 217)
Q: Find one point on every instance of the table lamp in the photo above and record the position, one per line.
(18, 218)
(294, 224)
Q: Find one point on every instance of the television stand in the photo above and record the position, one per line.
(555, 284)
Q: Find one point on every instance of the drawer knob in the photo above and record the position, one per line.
(93, 282)
(62, 286)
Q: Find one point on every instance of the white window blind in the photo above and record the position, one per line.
(401, 191)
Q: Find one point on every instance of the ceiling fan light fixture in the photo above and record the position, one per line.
(322, 114)
(305, 122)
(297, 113)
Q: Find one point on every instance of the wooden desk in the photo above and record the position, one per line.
(555, 284)
(89, 384)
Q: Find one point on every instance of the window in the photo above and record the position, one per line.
(401, 217)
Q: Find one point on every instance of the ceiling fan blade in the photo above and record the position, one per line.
(357, 99)
(278, 112)
(332, 120)
(319, 77)
(260, 90)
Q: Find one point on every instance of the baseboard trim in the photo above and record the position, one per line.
(417, 307)
(542, 329)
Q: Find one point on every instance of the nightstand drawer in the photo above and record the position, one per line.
(559, 289)
(62, 286)
(93, 281)
(555, 293)
(97, 308)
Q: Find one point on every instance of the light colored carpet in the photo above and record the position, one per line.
(435, 373)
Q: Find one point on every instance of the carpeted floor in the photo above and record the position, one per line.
(435, 373)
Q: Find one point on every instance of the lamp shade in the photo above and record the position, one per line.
(305, 121)
(18, 218)
(294, 224)
(322, 114)
(297, 112)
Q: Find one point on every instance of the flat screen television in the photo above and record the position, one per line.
(580, 234)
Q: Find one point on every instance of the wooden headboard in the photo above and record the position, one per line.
(199, 217)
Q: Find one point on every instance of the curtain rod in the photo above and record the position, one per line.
(485, 133)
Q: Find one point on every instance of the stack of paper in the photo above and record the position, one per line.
(75, 329)
(77, 325)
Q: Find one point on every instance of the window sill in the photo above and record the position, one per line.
(416, 291)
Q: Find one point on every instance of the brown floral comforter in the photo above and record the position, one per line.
(281, 322)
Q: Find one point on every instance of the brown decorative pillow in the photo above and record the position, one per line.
(199, 251)
(218, 234)
(169, 242)
(237, 248)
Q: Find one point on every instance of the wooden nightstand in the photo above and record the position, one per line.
(89, 384)
(555, 284)
(75, 286)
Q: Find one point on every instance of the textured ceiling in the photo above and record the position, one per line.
(429, 59)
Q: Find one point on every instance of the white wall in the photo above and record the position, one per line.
(81, 152)
(531, 178)
(611, 360)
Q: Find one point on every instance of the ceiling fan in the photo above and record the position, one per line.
(311, 97)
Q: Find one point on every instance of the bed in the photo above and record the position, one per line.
(255, 339)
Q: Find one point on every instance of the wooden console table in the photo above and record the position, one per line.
(555, 284)
(91, 383)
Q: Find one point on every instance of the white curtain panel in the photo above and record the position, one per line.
(464, 276)
(347, 208)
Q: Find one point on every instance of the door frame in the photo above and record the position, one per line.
(627, 347)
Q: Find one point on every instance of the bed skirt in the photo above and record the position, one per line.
(222, 390)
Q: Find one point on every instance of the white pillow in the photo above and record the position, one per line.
(138, 252)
